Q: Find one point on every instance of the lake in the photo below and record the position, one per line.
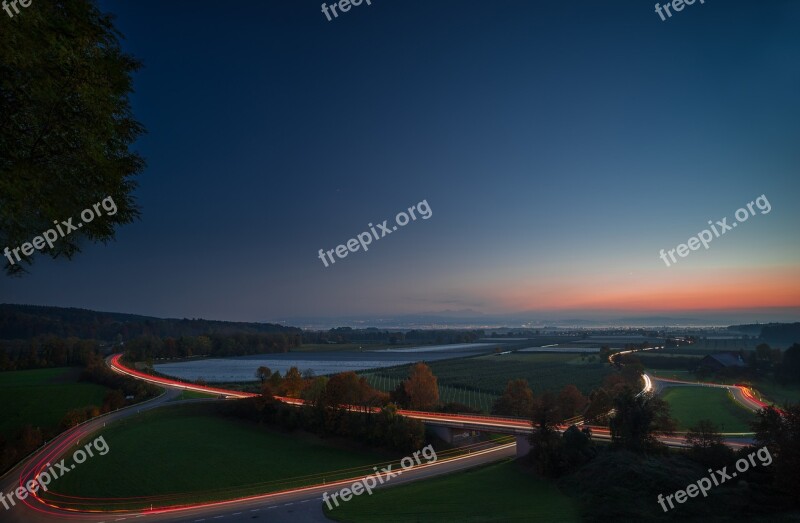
(243, 368)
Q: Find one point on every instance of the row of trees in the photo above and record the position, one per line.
(23, 322)
(636, 420)
(148, 348)
(373, 335)
(340, 405)
(518, 401)
(47, 351)
(420, 391)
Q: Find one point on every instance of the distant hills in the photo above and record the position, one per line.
(469, 319)
(21, 322)
(772, 332)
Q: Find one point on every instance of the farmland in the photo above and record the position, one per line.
(474, 495)
(691, 404)
(184, 443)
(478, 381)
(42, 397)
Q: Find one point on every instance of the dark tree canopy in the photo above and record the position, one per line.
(517, 400)
(637, 418)
(66, 125)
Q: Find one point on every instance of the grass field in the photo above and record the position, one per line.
(691, 404)
(187, 454)
(675, 374)
(776, 393)
(194, 395)
(478, 381)
(42, 397)
(497, 492)
(766, 388)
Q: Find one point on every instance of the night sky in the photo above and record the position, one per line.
(559, 145)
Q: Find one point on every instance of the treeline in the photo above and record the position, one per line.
(123, 391)
(641, 470)
(23, 322)
(639, 467)
(422, 337)
(342, 405)
(782, 366)
(519, 401)
(213, 345)
(782, 333)
(47, 351)
(51, 351)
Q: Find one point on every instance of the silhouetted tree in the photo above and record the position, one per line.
(571, 402)
(517, 400)
(66, 113)
(636, 419)
(790, 367)
(706, 445)
(263, 373)
(780, 433)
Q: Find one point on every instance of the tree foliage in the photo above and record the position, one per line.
(636, 420)
(517, 400)
(422, 388)
(780, 433)
(706, 445)
(67, 127)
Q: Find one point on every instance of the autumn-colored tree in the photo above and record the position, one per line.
(314, 393)
(113, 400)
(422, 387)
(517, 400)
(344, 390)
(293, 382)
(571, 402)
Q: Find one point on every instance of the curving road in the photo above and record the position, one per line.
(302, 503)
(741, 393)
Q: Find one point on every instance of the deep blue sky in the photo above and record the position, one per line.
(560, 146)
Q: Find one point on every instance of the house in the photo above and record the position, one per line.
(721, 360)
